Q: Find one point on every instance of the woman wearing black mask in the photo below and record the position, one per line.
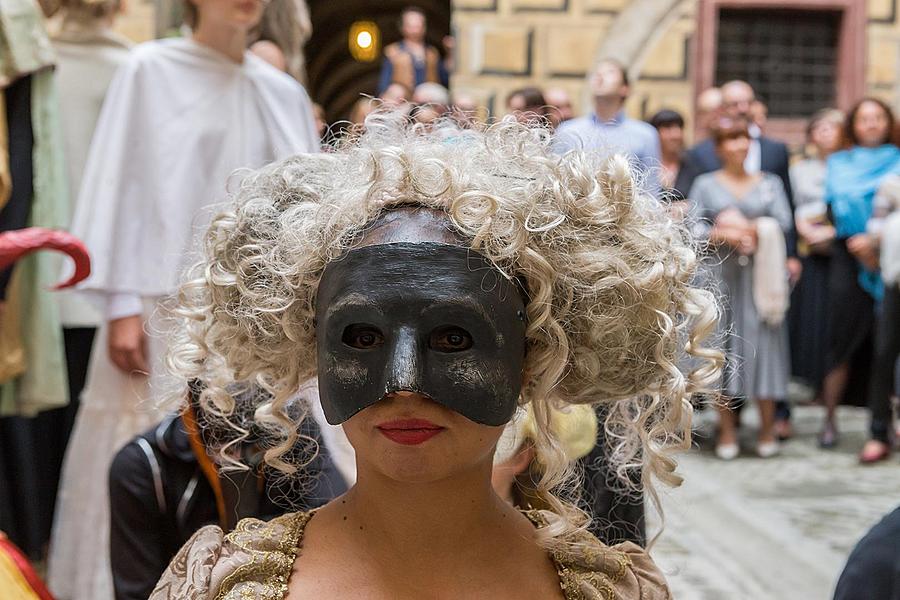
(436, 281)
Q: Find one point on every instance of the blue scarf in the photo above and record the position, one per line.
(851, 180)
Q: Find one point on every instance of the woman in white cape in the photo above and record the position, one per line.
(179, 118)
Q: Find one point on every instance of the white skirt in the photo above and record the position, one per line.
(115, 407)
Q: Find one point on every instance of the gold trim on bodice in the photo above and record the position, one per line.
(269, 569)
(272, 548)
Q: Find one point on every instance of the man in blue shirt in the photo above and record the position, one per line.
(607, 128)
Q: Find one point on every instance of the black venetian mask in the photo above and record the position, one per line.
(427, 317)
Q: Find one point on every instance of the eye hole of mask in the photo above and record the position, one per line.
(362, 336)
(450, 338)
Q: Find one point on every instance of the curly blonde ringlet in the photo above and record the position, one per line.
(611, 308)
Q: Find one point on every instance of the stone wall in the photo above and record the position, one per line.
(883, 37)
(505, 44)
(661, 70)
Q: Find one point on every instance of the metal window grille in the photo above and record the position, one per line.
(789, 57)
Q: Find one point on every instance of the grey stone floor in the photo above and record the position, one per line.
(771, 529)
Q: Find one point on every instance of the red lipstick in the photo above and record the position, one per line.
(409, 432)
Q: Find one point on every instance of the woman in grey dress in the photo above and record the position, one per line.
(727, 205)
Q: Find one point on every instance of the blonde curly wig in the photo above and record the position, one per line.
(612, 311)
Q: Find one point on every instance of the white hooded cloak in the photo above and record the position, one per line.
(179, 118)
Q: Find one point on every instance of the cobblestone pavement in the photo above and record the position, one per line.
(771, 529)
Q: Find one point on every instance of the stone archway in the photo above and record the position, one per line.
(633, 30)
(336, 80)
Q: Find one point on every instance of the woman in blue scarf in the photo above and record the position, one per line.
(852, 178)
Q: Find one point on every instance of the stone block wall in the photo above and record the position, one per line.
(662, 72)
(505, 44)
(883, 37)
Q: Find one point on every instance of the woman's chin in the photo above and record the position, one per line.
(408, 467)
(245, 20)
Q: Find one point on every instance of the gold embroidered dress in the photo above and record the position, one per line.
(254, 562)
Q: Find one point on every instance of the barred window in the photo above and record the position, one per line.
(788, 56)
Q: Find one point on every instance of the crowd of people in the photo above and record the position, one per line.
(160, 132)
(834, 326)
(797, 247)
(135, 150)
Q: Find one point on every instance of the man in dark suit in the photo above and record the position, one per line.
(766, 155)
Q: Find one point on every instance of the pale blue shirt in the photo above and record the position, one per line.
(637, 139)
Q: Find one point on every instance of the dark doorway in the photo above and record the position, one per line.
(336, 79)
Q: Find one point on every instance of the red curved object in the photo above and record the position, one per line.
(18, 559)
(16, 244)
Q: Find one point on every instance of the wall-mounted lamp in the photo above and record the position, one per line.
(365, 41)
